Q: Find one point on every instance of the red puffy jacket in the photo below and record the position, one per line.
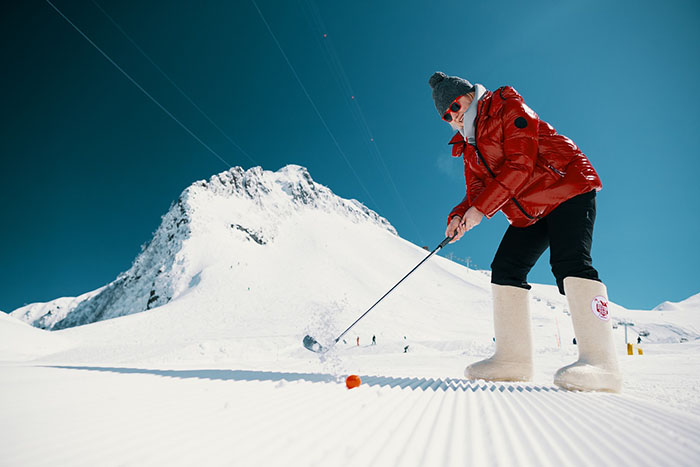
(520, 165)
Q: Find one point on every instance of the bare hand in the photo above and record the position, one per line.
(459, 227)
(452, 228)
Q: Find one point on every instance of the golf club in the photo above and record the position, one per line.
(313, 345)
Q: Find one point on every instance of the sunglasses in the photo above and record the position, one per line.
(454, 107)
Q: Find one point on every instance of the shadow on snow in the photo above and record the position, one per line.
(447, 384)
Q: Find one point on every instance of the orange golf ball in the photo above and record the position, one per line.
(353, 381)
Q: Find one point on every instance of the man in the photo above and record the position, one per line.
(546, 187)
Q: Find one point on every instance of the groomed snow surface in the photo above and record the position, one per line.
(217, 375)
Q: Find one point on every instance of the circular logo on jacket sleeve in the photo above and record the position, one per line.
(520, 122)
(599, 307)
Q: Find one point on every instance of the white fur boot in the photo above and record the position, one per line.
(511, 321)
(596, 368)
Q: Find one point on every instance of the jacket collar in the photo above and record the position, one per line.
(483, 107)
(458, 145)
(457, 138)
(485, 104)
(470, 115)
(475, 109)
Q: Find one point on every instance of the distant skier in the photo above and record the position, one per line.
(639, 339)
(358, 341)
(546, 187)
(374, 340)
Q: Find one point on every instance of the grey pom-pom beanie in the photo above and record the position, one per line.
(446, 89)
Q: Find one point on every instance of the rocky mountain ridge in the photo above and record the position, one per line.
(241, 206)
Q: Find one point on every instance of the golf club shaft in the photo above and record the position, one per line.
(444, 242)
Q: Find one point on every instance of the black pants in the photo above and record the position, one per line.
(567, 231)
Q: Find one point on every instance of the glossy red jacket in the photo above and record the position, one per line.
(520, 165)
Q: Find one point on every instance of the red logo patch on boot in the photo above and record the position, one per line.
(599, 307)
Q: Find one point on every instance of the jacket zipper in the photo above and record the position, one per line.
(558, 172)
(479, 156)
(523, 210)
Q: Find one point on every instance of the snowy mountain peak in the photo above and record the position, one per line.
(291, 186)
(232, 211)
(690, 303)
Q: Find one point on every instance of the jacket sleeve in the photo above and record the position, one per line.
(520, 154)
(460, 209)
(474, 187)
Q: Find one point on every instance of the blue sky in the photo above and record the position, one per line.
(90, 163)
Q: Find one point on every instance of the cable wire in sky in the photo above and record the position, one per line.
(352, 99)
(313, 104)
(155, 101)
(133, 42)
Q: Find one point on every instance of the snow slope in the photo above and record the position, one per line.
(19, 341)
(690, 303)
(46, 315)
(243, 266)
(137, 416)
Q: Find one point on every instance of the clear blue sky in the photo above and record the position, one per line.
(89, 163)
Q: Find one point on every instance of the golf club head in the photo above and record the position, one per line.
(313, 345)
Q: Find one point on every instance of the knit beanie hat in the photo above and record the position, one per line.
(446, 89)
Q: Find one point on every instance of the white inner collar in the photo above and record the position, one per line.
(468, 131)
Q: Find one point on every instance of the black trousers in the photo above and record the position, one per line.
(567, 231)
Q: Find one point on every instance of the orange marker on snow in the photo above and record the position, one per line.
(352, 381)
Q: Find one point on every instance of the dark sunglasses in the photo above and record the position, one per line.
(454, 107)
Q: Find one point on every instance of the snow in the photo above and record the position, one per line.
(213, 370)
(19, 341)
(690, 303)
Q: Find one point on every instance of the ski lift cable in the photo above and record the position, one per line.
(165, 75)
(313, 104)
(135, 83)
(333, 61)
(336, 65)
(360, 118)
